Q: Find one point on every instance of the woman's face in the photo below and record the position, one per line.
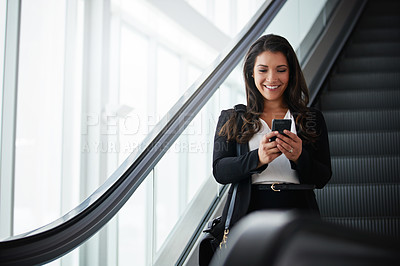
(271, 75)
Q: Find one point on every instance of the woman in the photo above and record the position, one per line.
(275, 89)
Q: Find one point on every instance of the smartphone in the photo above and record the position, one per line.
(280, 125)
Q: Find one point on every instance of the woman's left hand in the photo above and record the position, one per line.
(291, 146)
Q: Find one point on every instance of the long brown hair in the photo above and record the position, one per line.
(295, 96)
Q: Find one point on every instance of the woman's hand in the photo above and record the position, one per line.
(291, 146)
(268, 150)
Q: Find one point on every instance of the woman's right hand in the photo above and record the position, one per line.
(267, 150)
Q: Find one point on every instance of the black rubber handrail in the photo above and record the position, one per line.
(58, 238)
(295, 238)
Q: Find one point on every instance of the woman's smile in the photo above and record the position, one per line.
(271, 87)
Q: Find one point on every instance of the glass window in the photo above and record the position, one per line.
(193, 73)
(229, 16)
(39, 114)
(3, 16)
(133, 94)
(200, 6)
(223, 15)
(167, 194)
(135, 225)
(245, 11)
(167, 76)
(197, 140)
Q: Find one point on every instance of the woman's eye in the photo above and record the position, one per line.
(282, 70)
(262, 70)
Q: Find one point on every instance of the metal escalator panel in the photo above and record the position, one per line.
(362, 112)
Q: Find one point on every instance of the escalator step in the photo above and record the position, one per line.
(365, 200)
(361, 109)
(366, 81)
(376, 35)
(365, 169)
(348, 120)
(380, 21)
(364, 143)
(369, 64)
(382, 7)
(353, 100)
(383, 226)
(373, 49)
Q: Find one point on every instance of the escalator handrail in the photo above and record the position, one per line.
(292, 237)
(58, 238)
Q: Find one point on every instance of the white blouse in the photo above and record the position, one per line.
(279, 170)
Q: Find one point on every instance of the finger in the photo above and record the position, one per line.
(268, 136)
(291, 135)
(270, 144)
(281, 148)
(274, 150)
(267, 157)
(271, 134)
(285, 145)
(283, 139)
(269, 150)
(284, 150)
(291, 138)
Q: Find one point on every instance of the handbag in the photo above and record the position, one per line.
(216, 234)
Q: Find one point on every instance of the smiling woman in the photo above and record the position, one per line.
(293, 164)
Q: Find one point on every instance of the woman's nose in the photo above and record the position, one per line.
(271, 77)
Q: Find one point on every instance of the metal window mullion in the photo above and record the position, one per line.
(150, 213)
(9, 118)
(151, 200)
(69, 104)
(92, 95)
(108, 160)
(70, 172)
(183, 182)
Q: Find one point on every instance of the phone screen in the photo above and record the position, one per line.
(280, 125)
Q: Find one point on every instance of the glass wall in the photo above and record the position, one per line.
(229, 16)
(38, 144)
(3, 15)
(178, 191)
(94, 78)
(5, 189)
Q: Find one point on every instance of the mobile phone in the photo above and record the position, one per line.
(280, 125)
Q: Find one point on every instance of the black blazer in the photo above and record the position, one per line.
(313, 167)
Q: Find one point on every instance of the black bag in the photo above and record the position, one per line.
(216, 233)
(210, 241)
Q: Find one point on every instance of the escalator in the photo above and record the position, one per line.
(361, 108)
(56, 239)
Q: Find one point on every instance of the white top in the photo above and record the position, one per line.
(279, 170)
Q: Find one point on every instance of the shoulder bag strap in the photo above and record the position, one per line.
(240, 110)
